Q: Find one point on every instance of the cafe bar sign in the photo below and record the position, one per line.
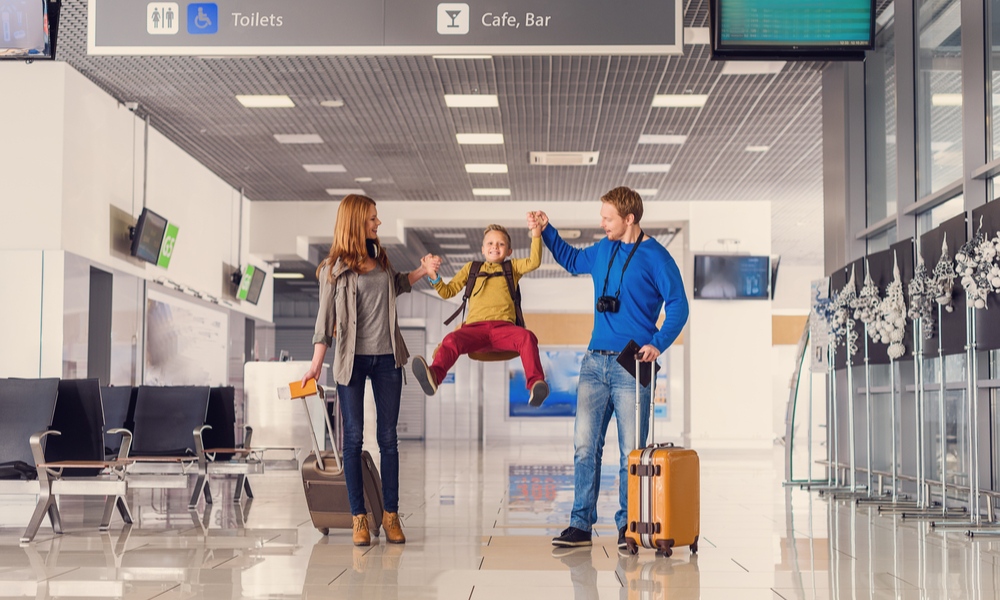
(384, 27)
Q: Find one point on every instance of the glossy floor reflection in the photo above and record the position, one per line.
(479, 525)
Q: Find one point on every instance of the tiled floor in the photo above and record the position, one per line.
(479, 525)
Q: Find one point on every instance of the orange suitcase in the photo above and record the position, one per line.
(664, 503)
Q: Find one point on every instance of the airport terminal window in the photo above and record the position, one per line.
(880, 116)
(993, 39)
(939, 94)
(882, 241)
(929, 219)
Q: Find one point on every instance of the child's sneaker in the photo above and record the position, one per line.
(425, 376)
(539, 392)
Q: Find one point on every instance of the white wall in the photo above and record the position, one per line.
(77, 153)
(730, 341)
(31, 301)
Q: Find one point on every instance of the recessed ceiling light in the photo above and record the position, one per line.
(479, 138)
(757, 148)
(471, 100)
(325, 168)
(753, 67)
(266, 101)
(345, 191)
(450, 236)
(662, 139)
(570, 234)
(332, 103)
(288, 276)
(462, 56)
(485, 168)
(946, 99)
(679, 100)
(647, 191)
(664, 168)
(362, 179)
(491, 191)
(697, 35)
(298, 138)
(455, 246)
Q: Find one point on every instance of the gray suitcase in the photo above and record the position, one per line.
(326, 488)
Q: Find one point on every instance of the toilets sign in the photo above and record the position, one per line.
(389, 27)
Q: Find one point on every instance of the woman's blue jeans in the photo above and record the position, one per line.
(387, 385)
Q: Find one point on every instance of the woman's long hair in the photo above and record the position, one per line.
(349, 236)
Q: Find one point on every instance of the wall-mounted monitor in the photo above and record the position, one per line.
(731, 277)
(148, 236)
(27, 29)
(251, 284)
(792, 29)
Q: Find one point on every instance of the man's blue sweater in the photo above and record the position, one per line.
(652, 280)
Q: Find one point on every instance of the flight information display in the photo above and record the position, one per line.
(795, 23)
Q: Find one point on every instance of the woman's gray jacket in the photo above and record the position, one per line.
(338, 317)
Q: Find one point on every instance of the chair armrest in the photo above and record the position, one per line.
(247, 436)
(37, 453)
(126, 442)
(199, 444)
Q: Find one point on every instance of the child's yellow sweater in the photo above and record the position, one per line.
(490, 300)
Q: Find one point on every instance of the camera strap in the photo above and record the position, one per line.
(611, 262)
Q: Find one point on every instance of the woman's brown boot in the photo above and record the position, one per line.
(362, 537)
(393, 530)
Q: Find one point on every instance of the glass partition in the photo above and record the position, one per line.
(880, 117)
(938, 94)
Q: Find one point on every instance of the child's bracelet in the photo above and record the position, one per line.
(434, 281)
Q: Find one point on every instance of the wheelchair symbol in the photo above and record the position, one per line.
(202, 21)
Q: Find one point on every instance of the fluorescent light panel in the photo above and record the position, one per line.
(946, 99)
(325, 168)
(753, 67)
(298, 138)
(471, 100)
(345, 191)
(491, 191)
(479, 138)
(266, 101)
(757, 148)
(450, 236)
(679, 100)
(649, 168)
(289, 276)
(485, 168)
(647, 191)
(455, 246)
(463, 56)
(662, 139)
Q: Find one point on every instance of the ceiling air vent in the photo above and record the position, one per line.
(563, 159)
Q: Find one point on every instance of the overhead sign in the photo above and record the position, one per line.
(167, 250)
(386, 27)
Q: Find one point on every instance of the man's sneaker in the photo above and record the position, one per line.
(573, 537)
(622, 544)
(424, 375)
(539, 392)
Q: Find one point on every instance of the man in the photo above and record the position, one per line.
(634, 276)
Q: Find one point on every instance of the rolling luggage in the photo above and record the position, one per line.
(663, 489)
(326, 488)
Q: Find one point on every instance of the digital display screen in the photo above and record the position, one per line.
(24, 29)
(727, 277)
(256, 284)
(149, 236)
(795, 23)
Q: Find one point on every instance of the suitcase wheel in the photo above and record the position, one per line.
(694, 546)
(633, 548)
(667, 552)
(324, 531)
(664, 548)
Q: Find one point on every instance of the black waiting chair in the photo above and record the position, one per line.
(218, 453)
(76, 424)
(116, 401)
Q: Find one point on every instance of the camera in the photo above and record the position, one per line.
(608, 304)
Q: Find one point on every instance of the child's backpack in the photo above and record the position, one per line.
(470, 286)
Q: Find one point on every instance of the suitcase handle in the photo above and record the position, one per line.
(638, 402)
(333, 434)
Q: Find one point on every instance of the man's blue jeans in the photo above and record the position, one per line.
(605, 389)
(387, 385)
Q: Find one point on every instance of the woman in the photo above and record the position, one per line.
(357, 306)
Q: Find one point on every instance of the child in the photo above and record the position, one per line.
(492, 320)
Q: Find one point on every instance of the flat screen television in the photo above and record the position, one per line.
(148, 236)
(251, 284)
(27, 29)
(791, 29)
(731, 277)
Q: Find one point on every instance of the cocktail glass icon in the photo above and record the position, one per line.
(202, 20)
(454, 15)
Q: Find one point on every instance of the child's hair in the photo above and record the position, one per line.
(501, 229)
